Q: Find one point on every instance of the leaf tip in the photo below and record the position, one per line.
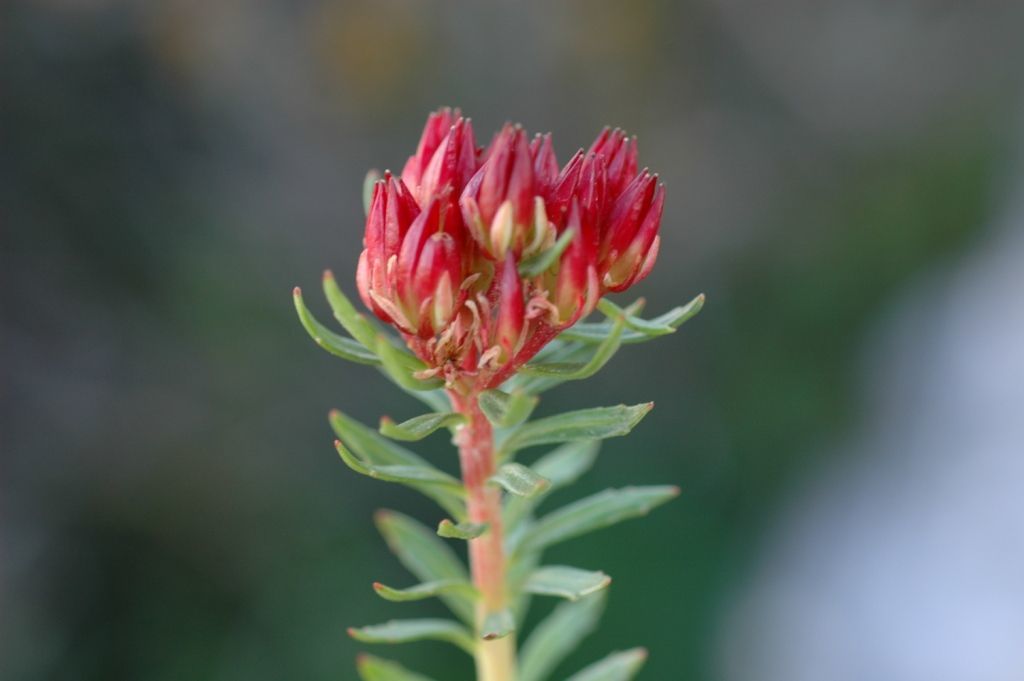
(328, 275)
(334, 414)
(351, 631)
(378, 587)
(297, 292)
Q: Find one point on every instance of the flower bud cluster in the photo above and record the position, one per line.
(451, 247)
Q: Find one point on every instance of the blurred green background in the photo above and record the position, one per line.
(170, 503)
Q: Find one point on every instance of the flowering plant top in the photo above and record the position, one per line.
(481, 256)
(486, 261)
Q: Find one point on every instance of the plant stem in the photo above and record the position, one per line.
(495, 659)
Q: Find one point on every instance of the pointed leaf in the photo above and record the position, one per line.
(594, 512)
(540, 263)
(346, 348)
(418, 427)
(566, 582)
(557, 635)
(425, 556)
(353, 321)
(507, 409)
(425, 590)
(409, 475)
(401, 366)
(621, 666)
(497, 625)
(574, 371)
(373, 449)
(519, 480)
(586, 424)
(372, 668)
(561, 466)
(450, 530)
(639, 330)
(405, 631)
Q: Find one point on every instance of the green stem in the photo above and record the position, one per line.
(495, 659)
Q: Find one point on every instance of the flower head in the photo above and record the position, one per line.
(454, 251)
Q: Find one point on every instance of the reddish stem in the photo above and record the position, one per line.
(476, 455)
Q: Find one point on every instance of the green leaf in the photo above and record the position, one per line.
(540, 263)
(519, 480)
(566, 582)
(587, 424)
(408, 475)
(353, 321)
(450, 530)
(497, 625)
(639, 330)
(507, 409)
(405, 631)
(574, 371)
(594, 512)
(561, 466)
(373, 449)
(621, 666)
(372, 668)
(337, 345)
(400, 367)
(426, 557)
(425, 590)
(557, 635)
(371, 179)
(418, 427)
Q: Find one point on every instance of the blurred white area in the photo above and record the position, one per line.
(905, 561)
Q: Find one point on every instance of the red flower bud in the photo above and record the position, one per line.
(498, 203)
(451, 166)
(428, 272)
(629, 237)
(508, 333)
(576, 289)
(545, 164)
(620, 153)
(439, 123)
(392, 210)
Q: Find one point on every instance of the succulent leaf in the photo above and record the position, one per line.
(566, 582)
(638, 330)
(425, 590)
(426, 557)
(450, 530)
(557, 635)
(372, 668)
(405, 474)
(620, 666)
(586, 424)
(374, 450)
(356, 323)
(337, 345)
(405, 631)
(519, 480)
(418, 427)
(561, 466)
(574, 371)
(594, 512)
(507, 409)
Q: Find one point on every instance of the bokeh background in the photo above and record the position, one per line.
(844, 417)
